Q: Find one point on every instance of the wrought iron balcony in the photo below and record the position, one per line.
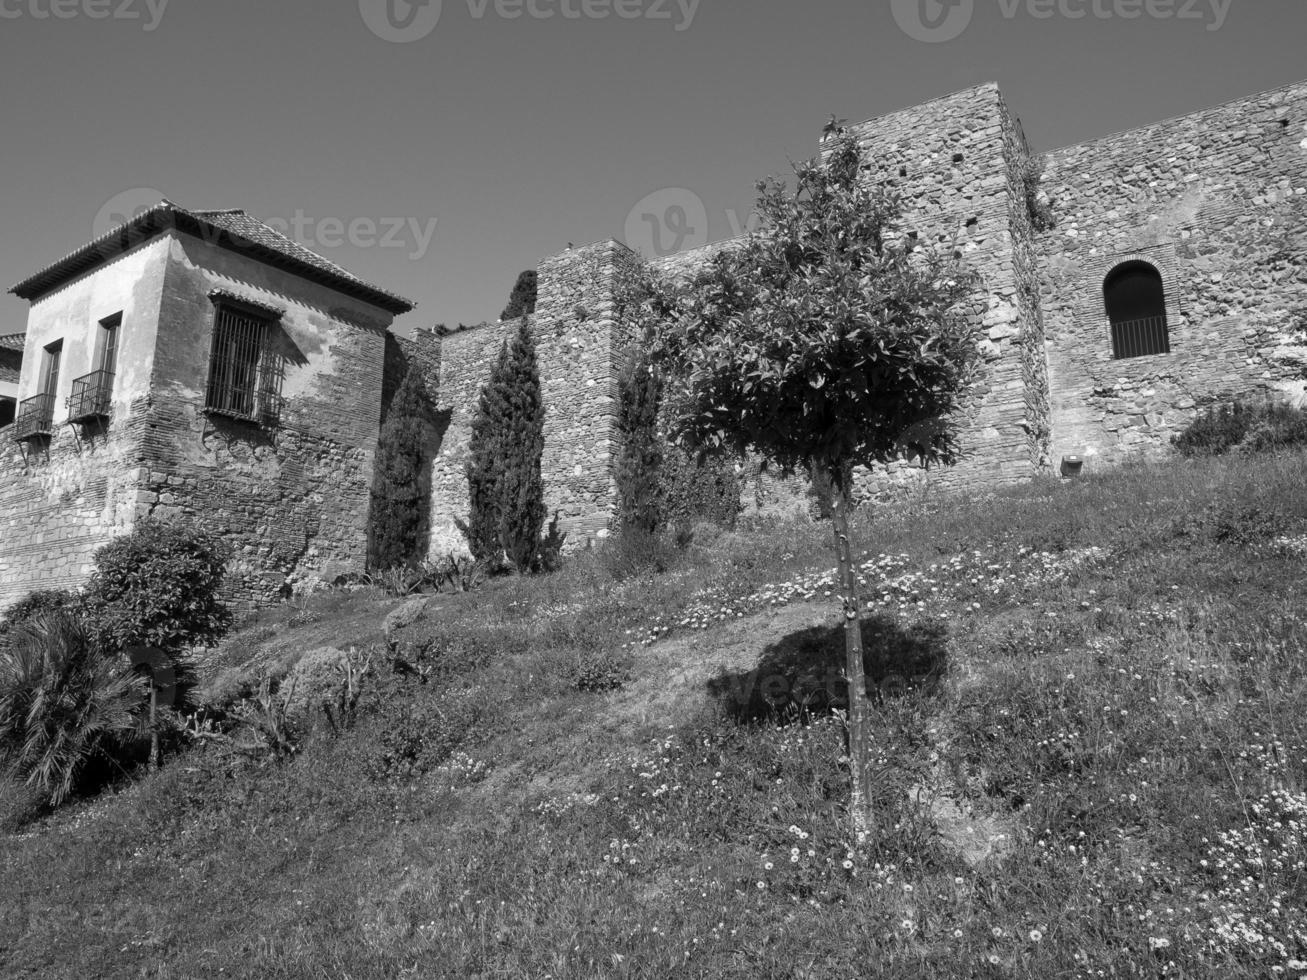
(90, 398)
(35, 418)
(1139, 338)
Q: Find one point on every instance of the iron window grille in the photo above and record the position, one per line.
(1135, 296)
(245, 371)
(35, 418)
(1140, 338)
(91, 396)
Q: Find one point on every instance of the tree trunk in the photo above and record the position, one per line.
(840, 498)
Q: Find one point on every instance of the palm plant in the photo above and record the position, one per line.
(64, 704)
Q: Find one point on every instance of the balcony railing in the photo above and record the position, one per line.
(1139, 338)
(90, 397)
(35, 418)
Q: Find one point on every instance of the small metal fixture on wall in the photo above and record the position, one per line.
(1072, 466)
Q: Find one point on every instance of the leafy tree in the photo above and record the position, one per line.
(522, 301)
(822, 343)
(401, 497)
(506, 490)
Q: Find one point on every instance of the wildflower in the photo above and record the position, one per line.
(1036, 935)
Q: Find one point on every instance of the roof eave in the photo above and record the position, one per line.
(164, 217)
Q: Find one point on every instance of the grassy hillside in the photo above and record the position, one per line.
(1091, 716)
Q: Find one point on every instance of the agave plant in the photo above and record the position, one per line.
(63, 704)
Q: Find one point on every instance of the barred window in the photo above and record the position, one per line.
(245, 370)
(1136, 305)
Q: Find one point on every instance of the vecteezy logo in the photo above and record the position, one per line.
(667, 221)
(401, 21)
(933, 21)
(124, 207)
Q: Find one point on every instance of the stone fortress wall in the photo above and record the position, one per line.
(1216, 201)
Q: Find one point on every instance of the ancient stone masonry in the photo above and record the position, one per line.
(1217, 202)
(579, 339)
(466, 359)
(1210, 210)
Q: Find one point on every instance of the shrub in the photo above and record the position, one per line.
(401, 496)
(633, 552)
(596, 672)
(420, 734)
(64, 705)
(695, 490)
(35, 603)
(1250, 428)
(1278, 427)
(1215, 431)
(159, 587)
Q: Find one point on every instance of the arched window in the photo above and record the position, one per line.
(1136, 305)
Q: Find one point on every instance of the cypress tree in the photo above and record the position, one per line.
(483, 470)
(400, 499)
(522, 301)
(639, 461)
(522, 428)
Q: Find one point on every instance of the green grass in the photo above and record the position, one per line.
(1083, 692)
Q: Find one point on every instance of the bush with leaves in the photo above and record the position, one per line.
(401, 491)
(65, 706)
(159, 586)
(695, 490)
(1249, 428)
(35, 603)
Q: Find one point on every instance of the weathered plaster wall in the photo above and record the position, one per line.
(1217, 201)
(60, 502)
(292, 498)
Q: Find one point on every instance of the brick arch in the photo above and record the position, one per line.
(1092, 310)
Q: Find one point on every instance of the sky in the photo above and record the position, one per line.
(437, 149)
